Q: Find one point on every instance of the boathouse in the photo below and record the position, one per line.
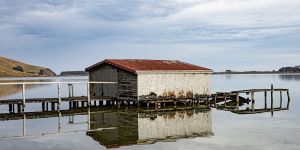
(138, 79)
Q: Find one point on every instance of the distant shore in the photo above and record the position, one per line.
(256, 72)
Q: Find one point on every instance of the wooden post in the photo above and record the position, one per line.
(266, 104)
(272, 90)
(52, 106)
(280, 99)
(10, 107)
(289, 99)
(252, 100)
(59, 98)
(88, 94)
(23, 94)
(43, 106)
(19, 108)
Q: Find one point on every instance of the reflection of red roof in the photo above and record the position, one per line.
(135, 65)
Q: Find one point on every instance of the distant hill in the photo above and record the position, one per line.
(73, 73)
(289, 69)
(13, 68)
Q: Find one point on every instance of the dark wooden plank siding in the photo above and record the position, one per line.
(104, 73)
(127, 85)
(125, 89)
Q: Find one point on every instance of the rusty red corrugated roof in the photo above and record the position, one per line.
(135, 65)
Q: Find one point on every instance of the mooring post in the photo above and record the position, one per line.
(88, 94)
(289, 99)
(266, 105)
(59, 98)
(23, 94)
(272, 90)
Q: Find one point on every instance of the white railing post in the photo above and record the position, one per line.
(88, 94)
(23, 94)
(59, 98)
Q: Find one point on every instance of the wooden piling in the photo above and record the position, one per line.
(10, 106)
(52, 106)
(19, 108)
(43, 106)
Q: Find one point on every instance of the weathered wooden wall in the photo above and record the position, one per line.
(178, 84)
(105, 73)
(126, 87)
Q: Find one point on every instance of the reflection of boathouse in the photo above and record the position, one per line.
(115, 129)
(137, 79)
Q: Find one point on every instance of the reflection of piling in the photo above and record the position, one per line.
(252, 101)
(280, 99)
(71, 94)
(266, 104)
(288, 95)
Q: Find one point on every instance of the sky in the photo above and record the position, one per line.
(219, 34)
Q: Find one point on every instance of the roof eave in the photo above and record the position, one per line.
(174, 71)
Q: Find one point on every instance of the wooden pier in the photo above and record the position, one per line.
(220, 100)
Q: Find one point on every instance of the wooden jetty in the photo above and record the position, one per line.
(220, 100)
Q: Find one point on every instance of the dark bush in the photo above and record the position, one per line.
(18, 68)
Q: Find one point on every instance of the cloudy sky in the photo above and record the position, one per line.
(219, 34)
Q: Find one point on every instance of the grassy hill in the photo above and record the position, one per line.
(13, 68)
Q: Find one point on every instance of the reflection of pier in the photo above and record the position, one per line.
(115, 129)
(127, 126)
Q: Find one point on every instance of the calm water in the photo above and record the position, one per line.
(187, 128)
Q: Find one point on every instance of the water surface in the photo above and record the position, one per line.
(128, 129)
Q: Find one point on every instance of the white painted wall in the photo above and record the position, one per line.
(176, 125)
(159, 83)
